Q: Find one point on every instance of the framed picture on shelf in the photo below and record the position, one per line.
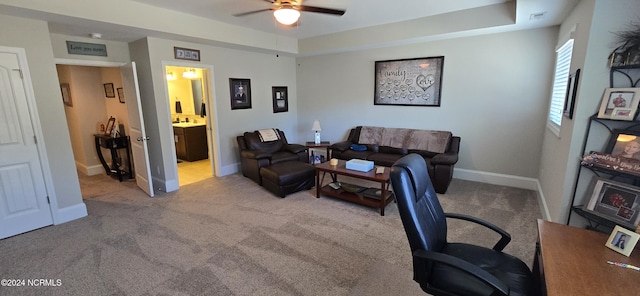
(622, 240)
(109, 92)
(615, 201)
(280, 99)
(624, 143)
(409, 82)
(240, 90)
(570, 96)
(619, 104)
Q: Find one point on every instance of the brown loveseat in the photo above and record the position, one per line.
(384, 146)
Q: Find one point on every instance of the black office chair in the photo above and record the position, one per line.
(443, 268)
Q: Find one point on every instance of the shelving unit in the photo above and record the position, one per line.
(620, 77)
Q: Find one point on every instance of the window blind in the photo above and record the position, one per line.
(563, 64)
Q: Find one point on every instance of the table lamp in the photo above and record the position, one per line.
(316, 128)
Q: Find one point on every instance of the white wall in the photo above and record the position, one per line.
(65, 189)
(596, 21)
(494, 95)
(264, 71)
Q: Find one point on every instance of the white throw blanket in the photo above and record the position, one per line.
(268, 135)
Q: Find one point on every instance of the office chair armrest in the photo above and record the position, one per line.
(429, 257)
(505, 236)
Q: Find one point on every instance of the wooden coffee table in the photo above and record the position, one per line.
(384, 199)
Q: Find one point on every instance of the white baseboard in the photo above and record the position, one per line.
(229, 169)
(506, 180)
(89, 170)
(496, 179)
(69, 213)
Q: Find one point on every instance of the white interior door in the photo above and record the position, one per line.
(137, 134)
(24, 204)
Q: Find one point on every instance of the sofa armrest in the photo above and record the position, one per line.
(255, 154)
(450, 157)
(341, 146)
(295, 148)
(445, 158)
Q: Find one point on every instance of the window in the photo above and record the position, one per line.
(559, 90)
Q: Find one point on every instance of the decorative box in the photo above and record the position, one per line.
(360, 165)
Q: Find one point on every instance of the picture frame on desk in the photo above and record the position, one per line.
(619, 104)
(615, 201)
(622, 240)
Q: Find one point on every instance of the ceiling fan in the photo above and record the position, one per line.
(287, 12)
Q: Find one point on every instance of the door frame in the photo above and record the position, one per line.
(212, 115)
(37, 130)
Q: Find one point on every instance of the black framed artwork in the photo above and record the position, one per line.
(280, 99)
(109, 91)
(121, 95)
(66, 94)
(409, 82)
(240, 91)
(570, 96)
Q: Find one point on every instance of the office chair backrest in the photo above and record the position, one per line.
(421, 213)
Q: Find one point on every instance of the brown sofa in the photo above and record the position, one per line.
(384, 146)
(280, 167)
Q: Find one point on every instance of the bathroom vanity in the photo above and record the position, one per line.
(191, 141)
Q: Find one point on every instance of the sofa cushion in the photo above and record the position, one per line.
(429, 140)
(384, 159)
(351, 154)
(393, 150)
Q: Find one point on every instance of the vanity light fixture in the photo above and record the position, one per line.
(190, 74)
(170, 76)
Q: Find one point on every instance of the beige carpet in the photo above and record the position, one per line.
(228, 236)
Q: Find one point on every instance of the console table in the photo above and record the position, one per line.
(573, 261)
(114, 144)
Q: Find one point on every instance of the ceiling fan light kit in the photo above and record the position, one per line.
(287, 12)
(286, 16)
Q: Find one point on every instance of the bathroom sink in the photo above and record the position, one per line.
(189, 124)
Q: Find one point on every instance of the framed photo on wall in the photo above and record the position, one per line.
(240, 90)
(409, 82)
(280, 99)
(615, 201)
(121, 95)
(109, 91)
(619, 104)
(570, 96)
(66, 94)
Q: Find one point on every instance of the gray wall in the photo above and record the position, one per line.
(495, 95)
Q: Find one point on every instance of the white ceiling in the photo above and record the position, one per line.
(359, 14)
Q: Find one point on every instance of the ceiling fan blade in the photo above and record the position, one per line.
(321, 10)
(252, 12)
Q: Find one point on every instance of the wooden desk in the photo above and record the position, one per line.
(573, 261)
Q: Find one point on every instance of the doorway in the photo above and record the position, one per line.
(188, 95)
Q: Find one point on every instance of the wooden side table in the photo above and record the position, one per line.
(323, 144)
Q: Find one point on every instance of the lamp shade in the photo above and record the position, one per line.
(316, 126)
(286, 16)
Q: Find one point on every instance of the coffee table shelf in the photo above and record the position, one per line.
(358, 198)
